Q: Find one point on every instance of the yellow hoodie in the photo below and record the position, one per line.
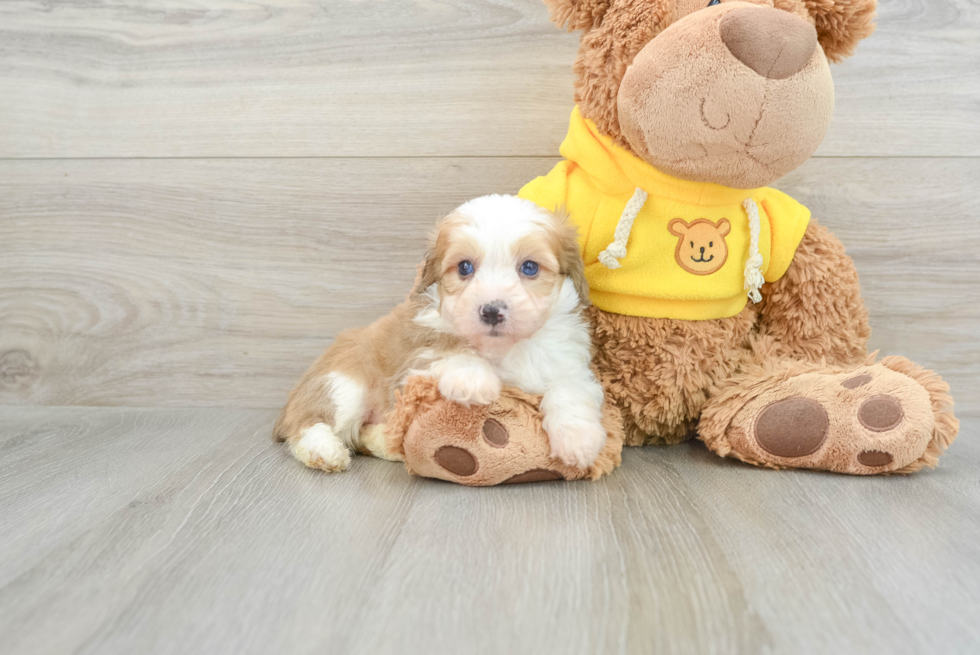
(658, 246)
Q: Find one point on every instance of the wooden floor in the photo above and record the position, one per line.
(189, 531)
(195, 198)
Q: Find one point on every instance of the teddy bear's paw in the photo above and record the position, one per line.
(495, 450)
(872, 420)
(481, 445)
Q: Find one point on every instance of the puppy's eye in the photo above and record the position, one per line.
(465, 268)
(529, 268)
(711, 244)
(714, 2)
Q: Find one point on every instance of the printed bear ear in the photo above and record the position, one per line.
(724, 227)
(678, 227)
(841, 24)
(577, 14)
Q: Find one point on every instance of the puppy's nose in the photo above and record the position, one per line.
(772, 42)
(492, 313)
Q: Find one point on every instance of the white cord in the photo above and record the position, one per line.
(753, 267)
(617, 249)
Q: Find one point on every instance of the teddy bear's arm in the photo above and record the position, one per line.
(815, 312)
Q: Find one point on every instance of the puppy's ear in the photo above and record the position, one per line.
(427, 273)
(430, 270)
(424, 275)
(569, 260)
(577, 14)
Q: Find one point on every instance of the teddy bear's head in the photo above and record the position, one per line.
(728, 91)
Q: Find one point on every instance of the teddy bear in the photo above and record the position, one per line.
(721, 309)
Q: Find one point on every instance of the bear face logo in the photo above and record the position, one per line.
(701, 248)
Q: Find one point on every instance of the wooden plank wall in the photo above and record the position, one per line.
(195, 200)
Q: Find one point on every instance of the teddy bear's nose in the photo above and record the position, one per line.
(772, 42)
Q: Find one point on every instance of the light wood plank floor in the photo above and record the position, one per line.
(189, 531)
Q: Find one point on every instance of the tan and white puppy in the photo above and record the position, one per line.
(498, 301)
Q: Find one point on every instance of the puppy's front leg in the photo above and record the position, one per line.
(573, 420)
(467, 380)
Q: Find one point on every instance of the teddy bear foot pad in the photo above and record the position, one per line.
(500, 443)
(460, 463)
(867, 421)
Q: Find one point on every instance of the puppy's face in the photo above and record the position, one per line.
(499, 263)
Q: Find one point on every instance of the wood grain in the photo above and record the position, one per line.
(93, 461)
(217, 282)
(401, 78)
(230, 546)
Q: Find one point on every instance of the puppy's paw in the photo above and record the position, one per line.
(469, 383)
(575, 441)
(319, 448)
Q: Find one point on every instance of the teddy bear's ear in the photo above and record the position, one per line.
(841, 24)
(577, 14)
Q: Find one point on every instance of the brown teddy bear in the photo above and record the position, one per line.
(721, 309)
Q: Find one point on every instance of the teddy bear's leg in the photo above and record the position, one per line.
(659, 371)
(808, 395)
(887, 417)
(481, 445)
(814, 312)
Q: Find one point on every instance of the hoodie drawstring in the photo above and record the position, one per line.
(753, 267)
(617, 249)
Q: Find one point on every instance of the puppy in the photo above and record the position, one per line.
(498, 301)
